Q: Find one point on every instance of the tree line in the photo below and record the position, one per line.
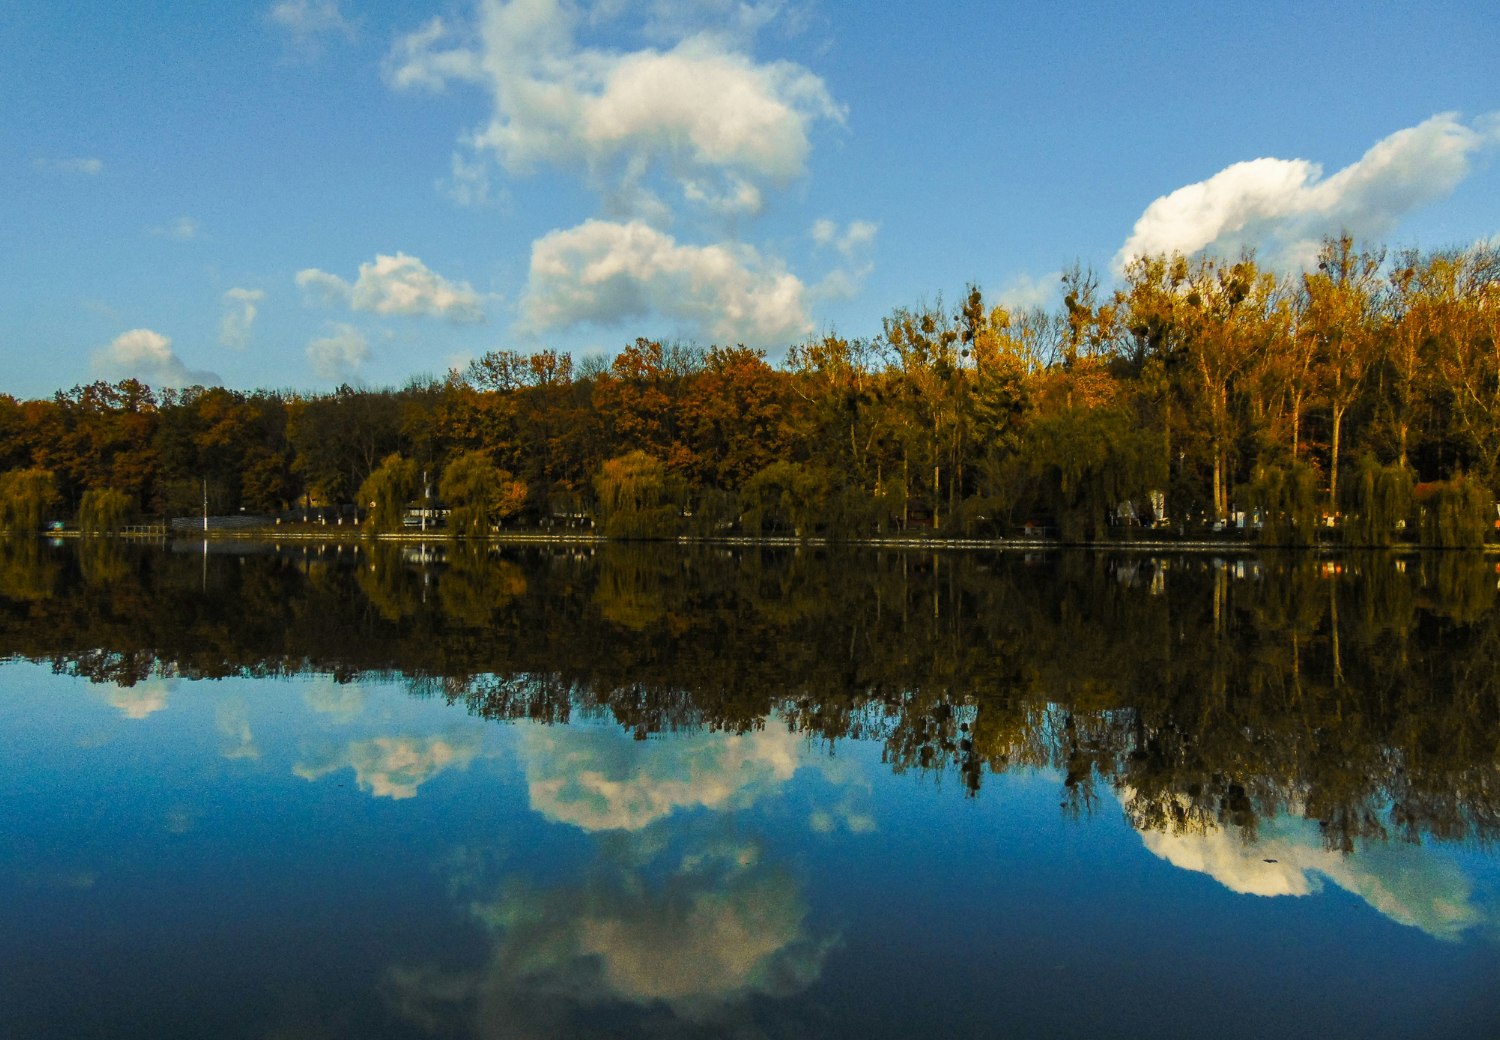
(1201, 391)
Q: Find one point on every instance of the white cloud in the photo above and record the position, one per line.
(468, 182)
(1284, 207)
(339, 354)
(701, 111)
(148, 356)
(1025, 292)
(854, 242)
(183, 229)
(395, 767)
(397, 284)
(1407, 883)
(604, 273)
(81, 165)
(308, 19)
(857, 235)
(239, 315)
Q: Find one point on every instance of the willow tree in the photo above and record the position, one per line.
(1376, 503)
(637, 497)
(479, 493)
(1090, 460)
(385, 491)
(1287, 499)
(25, 497)
(103, 511)
(1456, 514)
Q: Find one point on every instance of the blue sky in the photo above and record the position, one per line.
(295, 193)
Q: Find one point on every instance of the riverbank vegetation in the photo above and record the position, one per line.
(1201, 394)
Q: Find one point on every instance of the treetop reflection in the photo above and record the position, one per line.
(1212, 695)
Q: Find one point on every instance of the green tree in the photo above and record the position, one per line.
(1286, 497)
(384, 493)
(1377, 503)
(103, 511)
(784, 496)
(638, 498)
(479, 493)
(26, 496)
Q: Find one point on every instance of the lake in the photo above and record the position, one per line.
(309, 791)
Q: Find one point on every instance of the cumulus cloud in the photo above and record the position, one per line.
(604, 273)
(1285, 207)
(701, 111)
(397, 284)
(240, 309)
(148, 356)
(340, 354)
(1406, 883)
(395, 767)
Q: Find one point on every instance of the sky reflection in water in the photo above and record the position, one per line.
(299, 857)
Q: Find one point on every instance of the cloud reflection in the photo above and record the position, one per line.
(139, 701)
(395, 767)
(650, 942)
(232, 720)
(341, 702)
(1404, 882)
(597, 779)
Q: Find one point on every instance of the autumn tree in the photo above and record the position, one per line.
(1343, 319)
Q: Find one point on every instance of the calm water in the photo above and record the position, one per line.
(327, 793)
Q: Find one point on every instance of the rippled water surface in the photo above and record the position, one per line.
(340, 792)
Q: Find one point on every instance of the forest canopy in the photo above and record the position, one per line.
(1199, 391)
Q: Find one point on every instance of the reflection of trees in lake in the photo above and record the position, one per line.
(1362, 692)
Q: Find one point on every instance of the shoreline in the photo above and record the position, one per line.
(345, 535)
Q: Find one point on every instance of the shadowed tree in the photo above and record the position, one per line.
(385, 491)
(26, 496)
(479, 493)
(103, 511)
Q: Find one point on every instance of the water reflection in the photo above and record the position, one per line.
(680, 928)
(593, 779)
(1360, 693)
(1289, 859)
(671, 864)
(393, 766)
